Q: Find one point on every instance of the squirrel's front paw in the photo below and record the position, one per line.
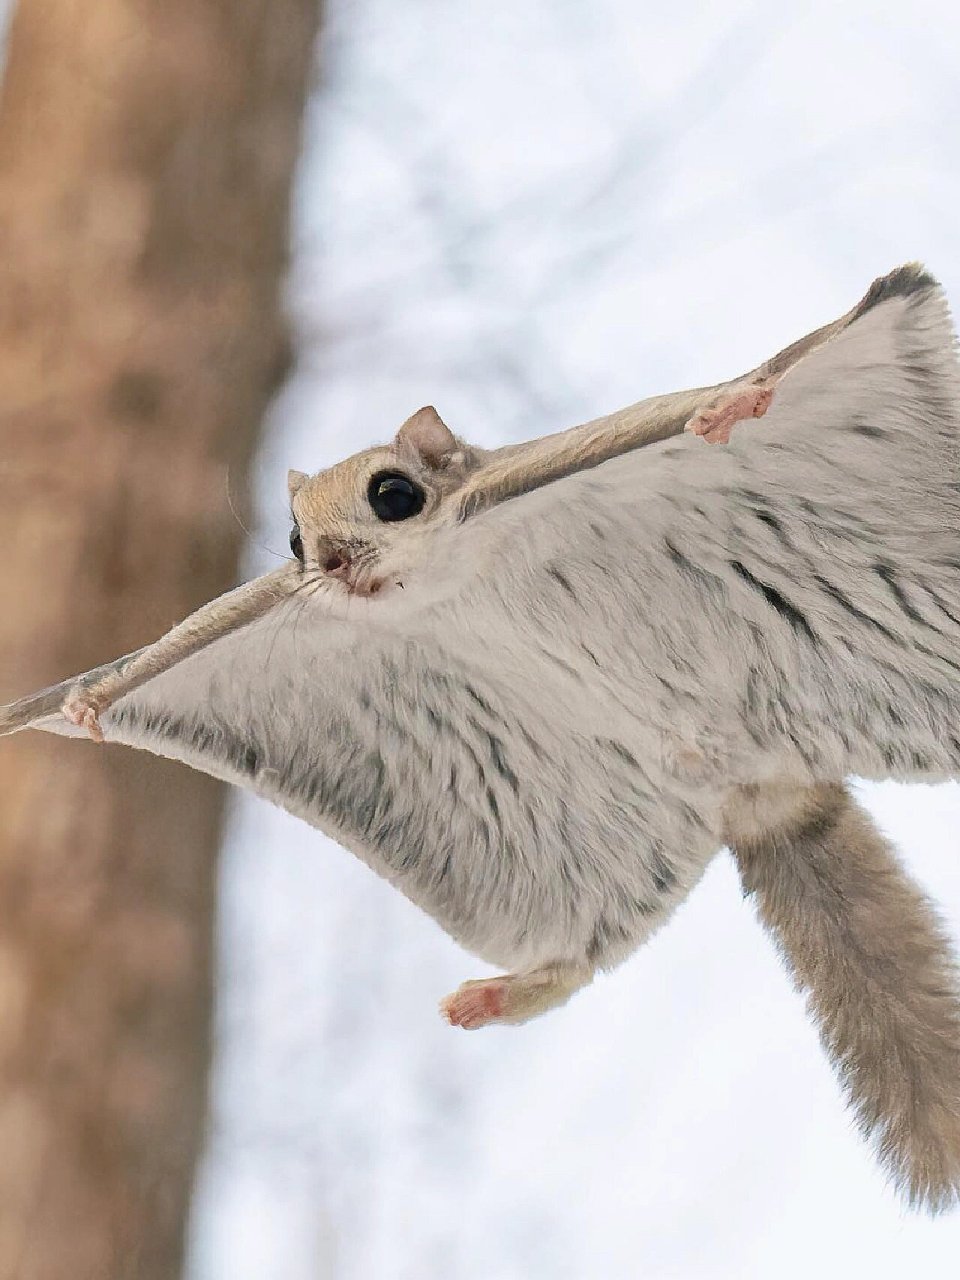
(85, 714)
(716, 424)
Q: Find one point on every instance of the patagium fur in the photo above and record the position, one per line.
(540, 706)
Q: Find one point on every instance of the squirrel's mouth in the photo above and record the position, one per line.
(355, 572)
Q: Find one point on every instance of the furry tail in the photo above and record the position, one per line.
(867, 947)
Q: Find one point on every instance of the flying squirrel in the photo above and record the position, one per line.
(538, 687)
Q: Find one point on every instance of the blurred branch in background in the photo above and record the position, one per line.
(146, 155)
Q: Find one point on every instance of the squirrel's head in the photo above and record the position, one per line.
(361, 523)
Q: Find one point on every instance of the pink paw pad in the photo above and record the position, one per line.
(475, 1004)
(84, 716)
(715, 424)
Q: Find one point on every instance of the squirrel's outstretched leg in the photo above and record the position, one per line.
(92, 695)
(82, 698)
(514, 997)
(866, 946)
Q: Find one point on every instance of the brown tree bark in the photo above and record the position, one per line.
(146, 155)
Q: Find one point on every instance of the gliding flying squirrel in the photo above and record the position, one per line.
(537, 688)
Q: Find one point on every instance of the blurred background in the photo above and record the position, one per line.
(527, 215)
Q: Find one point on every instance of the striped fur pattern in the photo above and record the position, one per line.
(546, 735)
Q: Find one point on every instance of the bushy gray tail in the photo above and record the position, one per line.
(866, 946)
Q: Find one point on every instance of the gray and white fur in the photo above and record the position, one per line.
(591, 681)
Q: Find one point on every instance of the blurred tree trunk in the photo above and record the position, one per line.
(146, 155)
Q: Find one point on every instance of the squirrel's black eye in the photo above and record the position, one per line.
(395, 497)
(296, 542)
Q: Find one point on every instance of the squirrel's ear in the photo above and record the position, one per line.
(426, 435)
(295, 480)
